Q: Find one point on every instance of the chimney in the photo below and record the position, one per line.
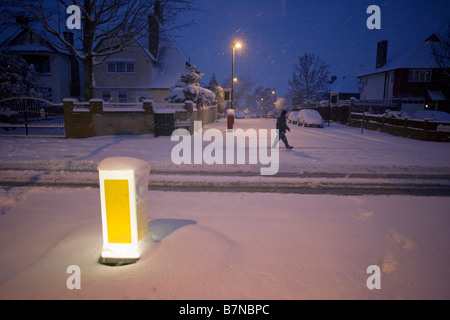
(382, 49)
(154, 20)
(22, 19)
(158, 11)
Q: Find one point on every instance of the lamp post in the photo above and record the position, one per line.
(236, 45)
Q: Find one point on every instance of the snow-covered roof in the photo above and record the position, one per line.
(10, 32)
(345, 84)
(170, 62)
(419, 57)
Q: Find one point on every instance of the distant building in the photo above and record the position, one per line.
(145, 69)
(343, 88)
(410, 79)
(60, 73)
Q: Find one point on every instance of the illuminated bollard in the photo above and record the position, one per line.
(123, 193)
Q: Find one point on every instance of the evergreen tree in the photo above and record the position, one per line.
(17, 77)
(188, 89)
(215, 87)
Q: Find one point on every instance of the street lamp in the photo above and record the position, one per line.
(236, 45)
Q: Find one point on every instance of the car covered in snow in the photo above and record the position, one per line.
(239, 115)
(309, 118)
(292, 117)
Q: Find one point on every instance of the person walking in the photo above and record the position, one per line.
(282, 127)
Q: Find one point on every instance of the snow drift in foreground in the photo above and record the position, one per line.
(229, 246)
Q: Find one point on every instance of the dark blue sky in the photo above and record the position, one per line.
(274, 33)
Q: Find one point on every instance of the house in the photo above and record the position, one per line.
(343, 88)
(145, 69)
(60, 73)
(411, 79)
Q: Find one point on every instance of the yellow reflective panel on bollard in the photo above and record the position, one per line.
(117, 202)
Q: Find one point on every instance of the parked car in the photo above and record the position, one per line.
(239, 115)
(292, 117)
(309, 118)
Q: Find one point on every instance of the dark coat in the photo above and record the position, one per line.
(281, 124)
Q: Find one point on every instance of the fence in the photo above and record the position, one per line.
(410, 128)
(97, 118)
(123, 107)
(29, 116)
(340, 111)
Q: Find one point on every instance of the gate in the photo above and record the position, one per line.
(164, 124)
(27, 116)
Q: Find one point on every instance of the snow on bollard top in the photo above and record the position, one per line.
(230, 111)
(124, 163)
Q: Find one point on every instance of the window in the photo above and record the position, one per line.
(41, 63)
(106, 95)
(419, 75)
(120, 67)
(130, 67)
(111, 67)
(123, 96)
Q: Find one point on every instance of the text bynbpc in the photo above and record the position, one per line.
(233, 147)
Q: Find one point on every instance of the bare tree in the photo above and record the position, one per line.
(113, 23)
(264, 100)
(242, 90)
(440, 49)
(309, 79)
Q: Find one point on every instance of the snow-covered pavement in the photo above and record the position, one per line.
(331, 149)
(270, 243)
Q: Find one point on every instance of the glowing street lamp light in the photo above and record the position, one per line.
(236, 45)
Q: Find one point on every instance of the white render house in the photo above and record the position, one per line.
(145, 69)
(60, 73)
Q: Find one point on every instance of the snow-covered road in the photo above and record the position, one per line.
(220, 181)
(332, 160)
